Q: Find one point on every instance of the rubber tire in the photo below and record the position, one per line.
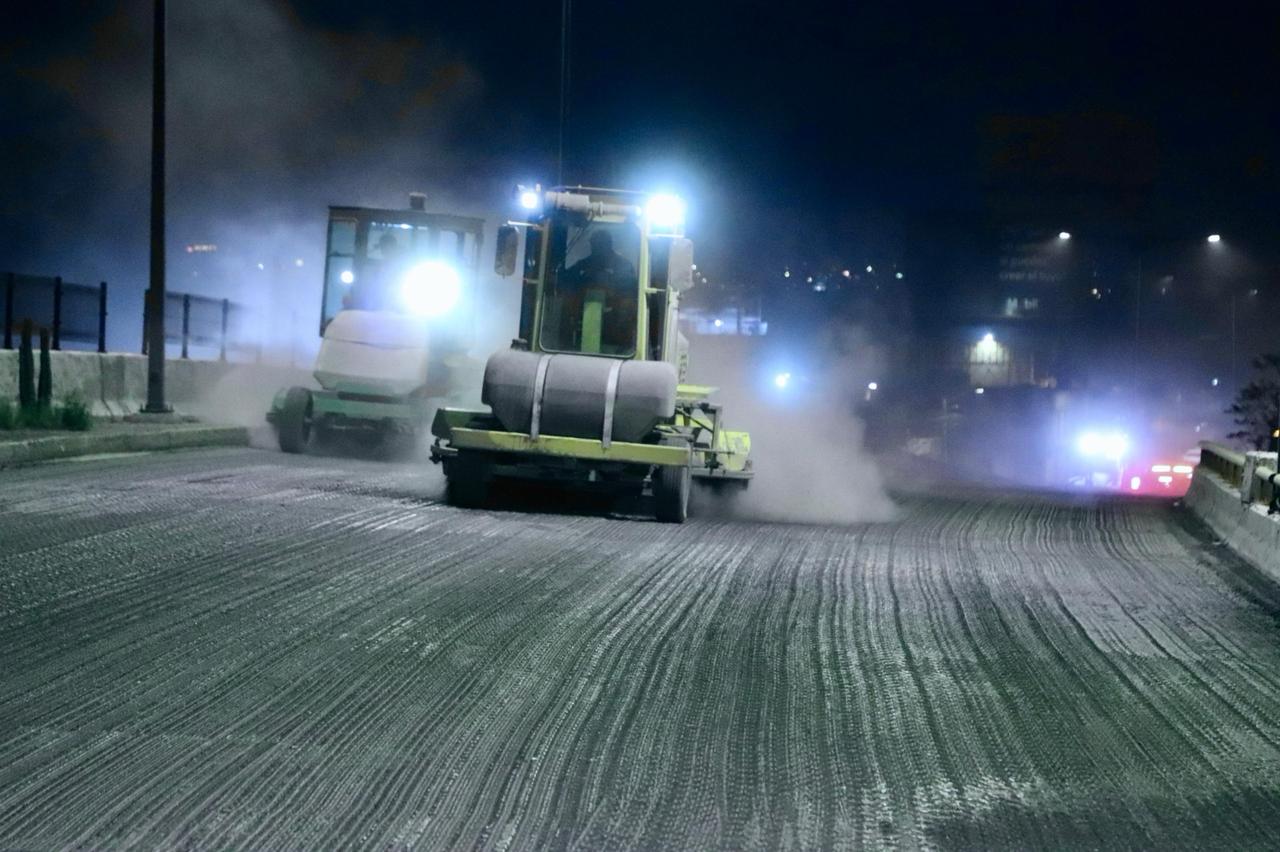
(671, 486)
(293, 429)
(466, 483)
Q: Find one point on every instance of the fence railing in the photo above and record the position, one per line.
(1253, 474)
(203, 322)
(69, 312)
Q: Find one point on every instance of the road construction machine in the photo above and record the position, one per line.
(396, 322)
(592, 393)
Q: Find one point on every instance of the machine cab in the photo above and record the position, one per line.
(602, 272)
(407, 262)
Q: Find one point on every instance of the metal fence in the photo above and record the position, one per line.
(200, 322)
(75, 313)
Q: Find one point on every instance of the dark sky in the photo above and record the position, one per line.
(802, 133)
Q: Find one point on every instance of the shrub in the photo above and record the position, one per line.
(8, 414)
(74, 414)
(37, 417)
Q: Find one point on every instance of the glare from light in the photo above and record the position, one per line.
(1182, 468)
(1064, 235)
(719, 323)
(988, 338)
(872, 386)
(262, 266)
(845, 273)
(781, 380)
(786, 273)
(1164, 480)
(1214, 382)
(430, 289)
(1116, 446)
(1112, 446)
(979, 391)
(665, 211)
(1161, 468)
(898, 275)
(1089, 444)
(298, 262)
(870, 268)
(1135, 483)
(347, 277)
(529, 199)
(1215, 238)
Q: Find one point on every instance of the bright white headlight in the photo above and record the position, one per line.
(347, 276)
(529, 199)
(430, 289)
(665, 211)
(782, 380)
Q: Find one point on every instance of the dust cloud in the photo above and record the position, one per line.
(806, 439)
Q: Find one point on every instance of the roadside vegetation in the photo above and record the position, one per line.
(71, 414)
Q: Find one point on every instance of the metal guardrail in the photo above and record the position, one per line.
(1254, 475)
(200, 321)
(69, 312)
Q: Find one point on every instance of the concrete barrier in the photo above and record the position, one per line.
(115, 384)
(1242, 523)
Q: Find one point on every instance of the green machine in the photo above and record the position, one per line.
(397, 320)
(592, 393)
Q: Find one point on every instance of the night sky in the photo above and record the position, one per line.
(801, 133)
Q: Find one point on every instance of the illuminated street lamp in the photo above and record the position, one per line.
(1064, 235)
(1214, 238)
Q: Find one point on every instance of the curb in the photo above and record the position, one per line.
(88, 443)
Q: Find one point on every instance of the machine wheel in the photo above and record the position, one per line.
(294, 426)
(466, 483)
(671, 486)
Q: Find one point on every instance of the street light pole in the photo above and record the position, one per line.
(155, 293)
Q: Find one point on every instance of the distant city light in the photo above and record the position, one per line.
(898, 275)
(719, 323)
(298, 262)
(808, 280)
(786, 273)
(1214, 382)
(262, 266)
(1064, 235)
(979, 390)
(845, 273)
(347, 276)
(1135, 482)
(1215, 238)
(870, 268)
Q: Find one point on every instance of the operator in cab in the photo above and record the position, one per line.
(604, 272)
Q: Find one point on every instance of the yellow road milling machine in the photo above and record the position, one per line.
(592, 392)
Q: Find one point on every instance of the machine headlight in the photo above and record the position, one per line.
(347, 276)
(529, 199)
(1112, 446)
(430, 289)
(665, 211)
(781, 380)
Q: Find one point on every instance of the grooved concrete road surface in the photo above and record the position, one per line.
(233, 648)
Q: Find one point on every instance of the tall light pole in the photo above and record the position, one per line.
(155, 293)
